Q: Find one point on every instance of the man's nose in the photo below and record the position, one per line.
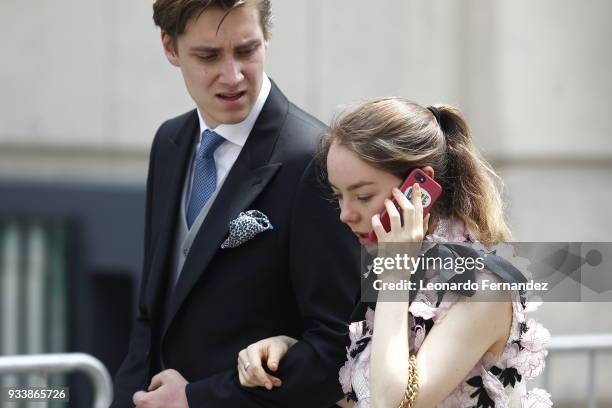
(231, 72)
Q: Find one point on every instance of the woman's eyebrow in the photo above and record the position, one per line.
(359, 184)
(355, 186)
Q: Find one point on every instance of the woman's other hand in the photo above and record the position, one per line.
(267, 351)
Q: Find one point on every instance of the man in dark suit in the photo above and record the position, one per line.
(286, 266)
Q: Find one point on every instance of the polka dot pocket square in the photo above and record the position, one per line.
(245, 227)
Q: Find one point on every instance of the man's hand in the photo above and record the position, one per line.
(167, 390)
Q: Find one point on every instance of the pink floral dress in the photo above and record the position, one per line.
(496, 381)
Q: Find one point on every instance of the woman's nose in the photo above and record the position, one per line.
(348, 215)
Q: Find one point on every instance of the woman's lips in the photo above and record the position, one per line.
(363, 238)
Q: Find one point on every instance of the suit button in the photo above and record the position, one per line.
(185, 251)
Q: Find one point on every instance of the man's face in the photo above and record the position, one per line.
(222, 63)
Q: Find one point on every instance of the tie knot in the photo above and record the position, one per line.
(209, 143)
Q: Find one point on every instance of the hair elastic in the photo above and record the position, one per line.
(436, 113)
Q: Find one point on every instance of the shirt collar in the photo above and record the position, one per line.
(239, 132)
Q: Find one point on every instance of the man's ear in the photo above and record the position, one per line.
(169, 48)
(428, 170)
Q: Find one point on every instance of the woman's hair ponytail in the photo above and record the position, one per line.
(469, 182)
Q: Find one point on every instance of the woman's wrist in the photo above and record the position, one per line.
(398, 261)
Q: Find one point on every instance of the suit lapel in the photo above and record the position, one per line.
(247, 179)
(174, 152)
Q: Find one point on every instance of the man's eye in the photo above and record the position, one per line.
(247, 52)
(206, 58)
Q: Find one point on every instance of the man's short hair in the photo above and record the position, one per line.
(172, 16)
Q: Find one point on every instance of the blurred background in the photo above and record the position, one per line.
(84, 86)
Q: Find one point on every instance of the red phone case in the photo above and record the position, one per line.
(430, 192)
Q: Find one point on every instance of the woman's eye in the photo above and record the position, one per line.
(364, 199)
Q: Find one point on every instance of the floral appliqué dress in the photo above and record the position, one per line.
(496, 381)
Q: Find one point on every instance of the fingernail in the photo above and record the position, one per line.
(396, 190)
(268, 386)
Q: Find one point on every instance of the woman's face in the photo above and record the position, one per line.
(360, 189)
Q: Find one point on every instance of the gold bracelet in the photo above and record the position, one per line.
(413, 384)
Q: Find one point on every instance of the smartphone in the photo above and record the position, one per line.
(430, 192)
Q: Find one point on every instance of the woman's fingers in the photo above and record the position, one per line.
(275, 380)
(407, 208)
(248, 380)
(378, 228)
(395, 220)
(246, 366)
(410, 226)
(256, 354)
(243, 367)
(251, 372)
(243, 376)
(276, 352)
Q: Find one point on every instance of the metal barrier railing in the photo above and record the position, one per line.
(44, 364)
(34, 294)
(587, 343)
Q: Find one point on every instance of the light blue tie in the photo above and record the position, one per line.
(204, 174)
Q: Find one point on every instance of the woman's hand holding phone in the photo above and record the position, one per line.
(429, 192)
(404, 238)
(414, 226)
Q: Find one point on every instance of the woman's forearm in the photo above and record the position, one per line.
(389, 360)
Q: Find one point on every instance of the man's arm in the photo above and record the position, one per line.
(325, 275)
(133, 373)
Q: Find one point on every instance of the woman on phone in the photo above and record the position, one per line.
(444, 349)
